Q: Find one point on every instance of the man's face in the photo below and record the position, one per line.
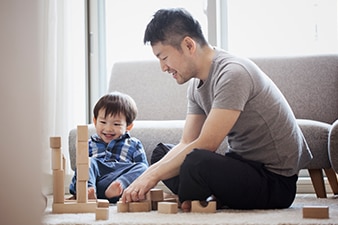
(176, 62)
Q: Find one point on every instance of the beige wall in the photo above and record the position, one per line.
(20, 113)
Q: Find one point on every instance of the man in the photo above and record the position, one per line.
(229, 97)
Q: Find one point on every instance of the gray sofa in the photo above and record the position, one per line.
(309, 83)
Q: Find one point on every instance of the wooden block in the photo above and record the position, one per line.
(82, 191)
(74, 207)
(102, 203)
(167, 207)
(197, 207)
(82, 172)
(58, 186)
(139, 206)
(122, 207)
(153, 205)
(82, 155)
(102, 213)
(57, 159)
(82, 133)
(318, 212)
(55, 142)
(156, 195)
(170, 200)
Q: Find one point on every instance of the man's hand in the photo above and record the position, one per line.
(139, 188)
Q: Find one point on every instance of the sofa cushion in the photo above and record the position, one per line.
(316, 134)
(333, 146)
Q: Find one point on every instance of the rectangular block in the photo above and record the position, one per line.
(82, 172)
(167, 207)
(82, 191)
(82, 155)
(58, 186)
(139, 206)
(209, 208)
(122, 207)
(55, 142)
(82, 133)
(316, 212)
(102, 203)
(156, 195)
(102, 213)
(74, 207)
(57, 159)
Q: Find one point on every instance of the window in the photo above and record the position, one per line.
(282, 27)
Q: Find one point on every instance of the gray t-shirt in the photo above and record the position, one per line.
(266, 130)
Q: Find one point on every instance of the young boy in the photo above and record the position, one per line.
(116, 158)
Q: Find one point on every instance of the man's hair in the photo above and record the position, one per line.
(116, 103)
(171, 26)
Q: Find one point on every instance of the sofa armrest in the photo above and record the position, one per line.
(333, 146)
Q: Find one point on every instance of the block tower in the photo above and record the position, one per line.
(81, 204)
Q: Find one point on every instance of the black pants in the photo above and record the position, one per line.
(235, 182)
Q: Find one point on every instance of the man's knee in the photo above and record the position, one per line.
(160, 151)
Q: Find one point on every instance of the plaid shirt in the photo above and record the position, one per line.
(124, 149)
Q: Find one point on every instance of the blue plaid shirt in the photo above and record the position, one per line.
(124, 149)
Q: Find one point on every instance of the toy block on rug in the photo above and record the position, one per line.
(152, 198)
(316, 212)
(167, 207)
(102, 209)
(209, 208)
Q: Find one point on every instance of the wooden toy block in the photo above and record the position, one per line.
(316, 212)
(170, 200)
(82, 191)
(74, 207)
(82, 171)
(209, 208)
(57, 159)
(55, 142)
(102, 213)
(167, 207)
(156, 195)
(82, 156)
(122, 207)
(139, 206)
(58, 186)
(82, 133)
(102, 203)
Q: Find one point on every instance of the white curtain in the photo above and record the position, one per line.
(64, 68)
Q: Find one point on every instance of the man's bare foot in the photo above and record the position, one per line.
(115, 189)
(186, 206)
(91, 193)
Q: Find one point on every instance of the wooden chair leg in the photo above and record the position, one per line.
(318, 182)
(332, 177)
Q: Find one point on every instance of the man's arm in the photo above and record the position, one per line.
(199, 132)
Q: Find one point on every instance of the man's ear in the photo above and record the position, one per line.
(130, 126)
(189, 43)
(94, 121)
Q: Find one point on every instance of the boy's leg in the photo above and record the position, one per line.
(158, 153)
(235, 182)
(124, 173)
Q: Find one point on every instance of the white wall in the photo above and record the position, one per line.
(21, 116)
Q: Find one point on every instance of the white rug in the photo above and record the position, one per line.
(290, 216)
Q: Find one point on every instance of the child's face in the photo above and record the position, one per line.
(110, 127)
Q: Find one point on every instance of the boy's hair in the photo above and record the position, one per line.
(116, 103)
(171, 26)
